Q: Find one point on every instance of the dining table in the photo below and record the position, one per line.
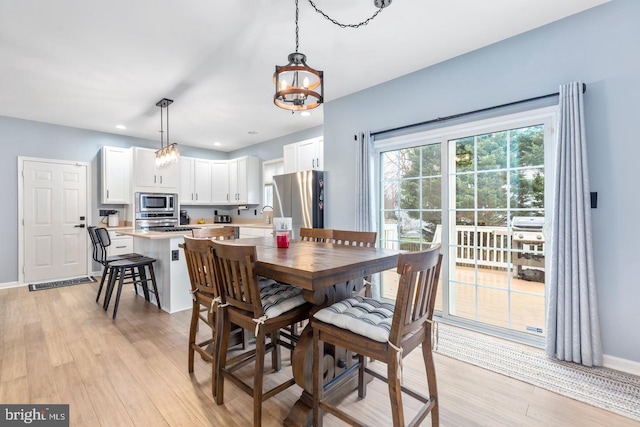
(327, 273)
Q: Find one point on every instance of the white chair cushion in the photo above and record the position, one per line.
(278, 298)
(364, 316)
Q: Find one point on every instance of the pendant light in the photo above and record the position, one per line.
(298, 86)
(168, 154)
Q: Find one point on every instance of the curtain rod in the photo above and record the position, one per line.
(468, 113)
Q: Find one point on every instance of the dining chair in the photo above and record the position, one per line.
(100, 241)
(220, 233)
(386, 332)
(264, 308)
(203, 277)
(354, 238)
(366, 239)
(320, 235)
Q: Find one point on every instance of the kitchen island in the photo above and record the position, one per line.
(172, 276)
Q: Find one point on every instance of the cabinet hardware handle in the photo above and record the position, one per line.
(107, 194)
(79, 226)
(154, 179)
(160, 179)
(196, 196)
(120, 247)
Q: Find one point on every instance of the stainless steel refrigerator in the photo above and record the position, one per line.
(300, 196)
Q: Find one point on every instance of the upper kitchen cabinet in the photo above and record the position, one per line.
(304, 155)
(115, 175)
(195, 181)
(220, 182)
(236, 181)
(148, 177)
(244, 180)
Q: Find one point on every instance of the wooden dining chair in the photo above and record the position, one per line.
(203, 276)
(320, 235)
(264, 308)
(219, 233)
(365, 239)
(386, 332)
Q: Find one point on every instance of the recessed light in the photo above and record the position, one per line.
(217, 144)
(253, 132)
(305, 114)
(121, 127)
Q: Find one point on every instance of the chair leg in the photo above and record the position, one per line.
(105, 272)
(395, 393)
(222, 360)
(258, 377)
(276, 354)
(317, 379)
(121, 274)
(142, 280)
(427, 356)
(362, 383)
(113, 275)
(154, 284)
(192, 333)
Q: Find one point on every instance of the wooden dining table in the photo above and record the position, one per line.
(327, 273)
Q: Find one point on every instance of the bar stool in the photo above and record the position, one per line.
(124, 271)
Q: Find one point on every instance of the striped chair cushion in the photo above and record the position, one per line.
(364, 316)
(278, 298)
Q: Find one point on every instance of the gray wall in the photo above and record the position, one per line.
(598, 47)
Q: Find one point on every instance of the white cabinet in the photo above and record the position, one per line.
(244, 180)
(115, 175)
(304, 155)
(195, 181)
(236, 181)
(148, 177)
(220, 182)
(120, 244)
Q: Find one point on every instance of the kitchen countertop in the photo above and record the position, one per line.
(129, 231)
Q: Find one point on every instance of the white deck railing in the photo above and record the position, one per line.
(486, 246)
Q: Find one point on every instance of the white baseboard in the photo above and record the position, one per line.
(8, 285)
(624, 365)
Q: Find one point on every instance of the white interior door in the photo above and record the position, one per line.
(54, 200)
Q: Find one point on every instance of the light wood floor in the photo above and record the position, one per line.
(58, 346)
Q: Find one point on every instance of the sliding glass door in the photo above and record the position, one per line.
(481, 192)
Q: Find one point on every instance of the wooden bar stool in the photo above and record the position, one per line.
(131, 271)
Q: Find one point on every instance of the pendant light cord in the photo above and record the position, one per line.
(339, 24)
(297, 29)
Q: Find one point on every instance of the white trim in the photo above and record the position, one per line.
(619, 364)
(88, 195)
(8, 285)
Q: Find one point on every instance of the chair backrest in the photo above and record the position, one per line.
(218, 233)
(104, 241)
(238, 280)
(320, 235)
(203, 272)
(354, 238)
(94, 241)
(419, 275)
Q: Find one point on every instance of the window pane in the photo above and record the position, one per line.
(527, 146)
(410, 194)
(527, 188)
(492, 190)
(431, 160)
(431, 193)
(464, 154)
(409, 164)
(492, 151)
(465, 191)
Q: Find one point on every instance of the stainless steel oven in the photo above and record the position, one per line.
(156, 210)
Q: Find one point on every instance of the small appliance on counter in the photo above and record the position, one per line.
(222, 219)
(113, 219)
(184, 217)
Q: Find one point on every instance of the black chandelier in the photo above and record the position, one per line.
(167, 154)
(298, 86)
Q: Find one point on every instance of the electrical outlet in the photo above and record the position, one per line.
(175, 255)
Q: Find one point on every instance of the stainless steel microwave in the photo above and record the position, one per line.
(156, 203)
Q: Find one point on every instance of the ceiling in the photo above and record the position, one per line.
(94, 65)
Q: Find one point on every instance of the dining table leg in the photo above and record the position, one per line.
(335, 361)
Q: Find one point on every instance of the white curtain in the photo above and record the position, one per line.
(573, 328)
(365, 207)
